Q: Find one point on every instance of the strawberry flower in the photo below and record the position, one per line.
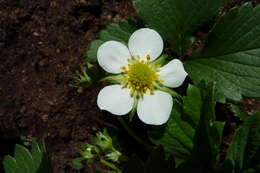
(140, 79)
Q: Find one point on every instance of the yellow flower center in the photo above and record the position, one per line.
(140, 76)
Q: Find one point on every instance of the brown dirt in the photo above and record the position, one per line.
(41, 46)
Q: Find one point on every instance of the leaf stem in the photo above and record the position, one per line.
(133, 135)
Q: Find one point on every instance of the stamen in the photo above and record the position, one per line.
(123, 68)
(140, 76)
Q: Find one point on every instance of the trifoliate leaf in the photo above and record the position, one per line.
(231, 57)
(176, 20)
(116, 31)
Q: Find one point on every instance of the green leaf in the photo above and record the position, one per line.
(76, 163)
(192, 104)
(91, 54)
(231, 57)
(192, 130)
(10, 165)
(116, 31)
(237, 112)
(177, 138)
(244, 148)
(45, 166)
(25, 161)
(176, 20)
(36, 154)
(208, 134)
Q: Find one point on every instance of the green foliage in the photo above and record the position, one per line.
(192, 125)
(116, 31)
(82, 80)
(227, 67)
(243, 153)
(231, 56)
(101, 149)
(25, 161)
(180, 129)
(155, 163)
(237, 112)
(176, 20)
(208, 135)
(87, 77)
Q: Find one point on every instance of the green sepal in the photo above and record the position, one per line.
(76, 163)
(103, 140)
(113, 156)
(88, 151)
(116, 79)
(173, 93)
(133, 111)
(162, 60)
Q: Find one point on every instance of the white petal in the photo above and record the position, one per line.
(145, 42)
(173, 74)
(112, 55)
(115, 99)
(155, 109)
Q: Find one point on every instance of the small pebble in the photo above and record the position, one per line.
(36, 34)
(45, 117)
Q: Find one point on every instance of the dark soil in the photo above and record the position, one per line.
(41, 47)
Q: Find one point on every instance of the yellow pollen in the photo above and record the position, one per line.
(140, 76)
